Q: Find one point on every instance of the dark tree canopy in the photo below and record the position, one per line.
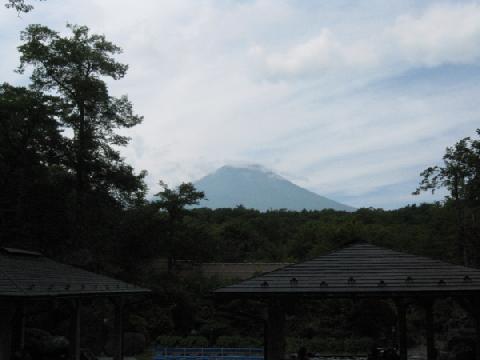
(174, 202)
(460, 175)
(75, 68)
(32, 156)
(30, 128)
(64, 181)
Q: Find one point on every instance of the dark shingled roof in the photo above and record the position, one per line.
(30, 274)
(363, 269)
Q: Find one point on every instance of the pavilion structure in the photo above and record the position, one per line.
(27, 277)
(362, 270)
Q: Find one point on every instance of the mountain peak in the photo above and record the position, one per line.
(257, 187)
(253, 168)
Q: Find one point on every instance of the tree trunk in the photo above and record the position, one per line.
(78, 218)
(19, 206)
(461, 243)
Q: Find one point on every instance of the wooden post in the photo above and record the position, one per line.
(477, 334)
(6, 316)
(265, 339)
(431, 351)
(75, 330)
(471, 305)
(118, 329)
(402, 327)
(19, 328)
(275, 332)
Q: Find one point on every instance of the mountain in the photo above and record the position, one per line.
(255, 187)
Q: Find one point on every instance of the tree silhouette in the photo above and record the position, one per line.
(75, 68)
(460, 175)
(174, 202)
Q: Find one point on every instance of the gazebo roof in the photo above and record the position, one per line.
(29, 274)
(363, 269)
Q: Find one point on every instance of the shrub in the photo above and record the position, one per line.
(168, 341)
(194, 341)
(179, 341)
(325, 344)
(138, 323)
(294, 344)
(358, 345)
(330, 345)
(237, 341)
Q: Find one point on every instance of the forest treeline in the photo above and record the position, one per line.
(67, 192)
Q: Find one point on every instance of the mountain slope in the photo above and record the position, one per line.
(257, 188)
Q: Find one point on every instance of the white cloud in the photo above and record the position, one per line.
(313, 91)
(440, 34)
(319, 54)
(447, 33)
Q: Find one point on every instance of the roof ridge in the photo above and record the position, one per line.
(381, 270)
(423, 257)
(344, 246)
(22, 290)
(29, 277)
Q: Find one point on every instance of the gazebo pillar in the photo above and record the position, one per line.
(431, 351)
(275, 332)
(7, 310)
(74, 336)
(265, 339)
(19, 327)
(471, 305)
(476, 314)
(119, 304)
(402, 327)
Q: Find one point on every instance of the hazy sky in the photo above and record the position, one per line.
(350, 99)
